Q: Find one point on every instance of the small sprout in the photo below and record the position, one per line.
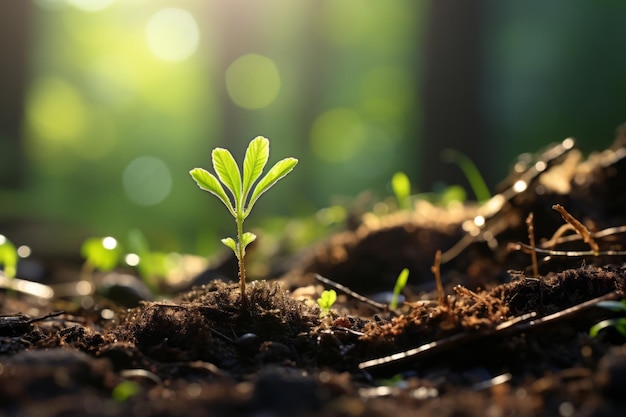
(125, 390)
(401, 186)
(618, 324)
(326, 300)
(103, 254)
(401, 281)
(476, 181)
(452, 194)
(8, 257)
(149, 264)
(239, 183)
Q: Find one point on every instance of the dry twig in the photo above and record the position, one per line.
(579, 227)
(436, 269)
(531, 239)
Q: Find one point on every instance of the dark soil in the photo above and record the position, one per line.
(499, 341)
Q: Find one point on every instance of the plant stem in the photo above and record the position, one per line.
(241, 252)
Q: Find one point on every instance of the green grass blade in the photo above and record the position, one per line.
(476, 181)
(278, 171)
(401, 281)
(257, 154)
(208, 182)
(228, 172)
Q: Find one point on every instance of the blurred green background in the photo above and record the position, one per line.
(107, 104)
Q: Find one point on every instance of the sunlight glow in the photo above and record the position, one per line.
(253, 81)
(147, 181)
(24, 251)
(109, 243)
(172, 34)
(56, 110)
(337, 135)
(520, 186)
(132, 259)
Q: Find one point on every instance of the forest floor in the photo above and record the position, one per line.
(496, 338)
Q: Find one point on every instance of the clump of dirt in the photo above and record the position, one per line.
(208, 324)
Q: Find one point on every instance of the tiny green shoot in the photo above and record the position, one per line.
(401, 281)
(401, 186)
(472, 174)
(125, 390)
(618, 323)
(101, 253)
(239, 183)
(326, 300)
(8, 257)
(150, 265)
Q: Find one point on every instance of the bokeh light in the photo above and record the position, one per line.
(109, 243)
(337, 135)
(147, 181)
(172, 34)
(56, 111)
(24, 251)
(253, 81)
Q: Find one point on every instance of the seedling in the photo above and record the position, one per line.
(618, 323)
(472, 174)
(326, 300)
(8, 257)
(100, 253)
(125, 390)
(239, 184)
(403, 276)
(401, 186)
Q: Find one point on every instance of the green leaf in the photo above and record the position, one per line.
(248, 238)
(327, 299)
(8, 257)
(208, 182)
(125, 390)
(256, 157)
(397, 289)
(619, 324)
(401, 281)
(278, 171)
(401, 186)
(230, 242)
(100, 254)
(228, 172)
(475, 179)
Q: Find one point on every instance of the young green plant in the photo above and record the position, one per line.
(475, 179)
(403, 276)
(401, 186)
(8, 257)
(101, 253)
(326, 300)
(239, 183)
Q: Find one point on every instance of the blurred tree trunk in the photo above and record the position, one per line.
(451, 88)
(15, 27)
